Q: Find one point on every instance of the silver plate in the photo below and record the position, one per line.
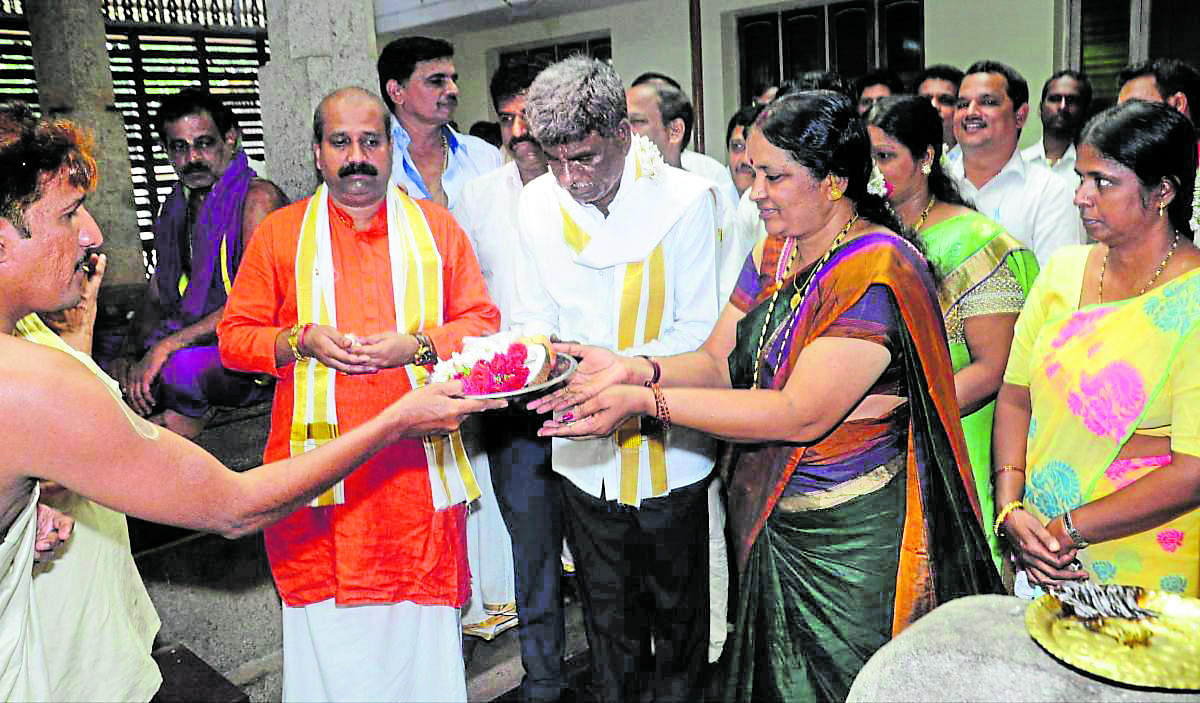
(564, 366)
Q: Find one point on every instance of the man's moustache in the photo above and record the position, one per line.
(524, 139)
(196, 167)
(357, 168)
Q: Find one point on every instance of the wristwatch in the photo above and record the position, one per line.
(425, 355)
(1077, 540)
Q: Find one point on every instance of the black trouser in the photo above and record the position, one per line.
(643, 576)
(531, 503)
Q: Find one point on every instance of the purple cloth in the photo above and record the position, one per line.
(873, 317)
(220, 216)
(193, 380)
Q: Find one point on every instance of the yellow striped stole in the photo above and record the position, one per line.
(643, 303)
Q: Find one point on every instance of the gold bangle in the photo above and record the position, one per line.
(1004, 512)
(293, 341)
(1003, 469)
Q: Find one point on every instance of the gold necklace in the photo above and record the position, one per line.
(762, 335)
(800, 291)
(1157, 272)
(445, 152)
(924, 214)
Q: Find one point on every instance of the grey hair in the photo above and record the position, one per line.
(573, 98)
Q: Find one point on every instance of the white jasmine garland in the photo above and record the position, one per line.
(648, 156)
(877, 185)
(1195, 221)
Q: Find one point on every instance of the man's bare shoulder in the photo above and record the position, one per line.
(265, 194)
(42, 391)
(286, 218)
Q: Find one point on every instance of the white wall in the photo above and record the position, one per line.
(652, 35)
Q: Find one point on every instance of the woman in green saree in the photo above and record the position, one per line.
(851, 509)
(984, 274)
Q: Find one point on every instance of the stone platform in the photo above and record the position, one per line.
(977, 649)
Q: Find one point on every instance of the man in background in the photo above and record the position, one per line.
(431, 159)
(170, 369)
(875, 85)
(1066, 99)
(940, 83)
(1032, 203)
(662, 112)
(735, 148)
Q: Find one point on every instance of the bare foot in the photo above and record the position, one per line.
(182, 425)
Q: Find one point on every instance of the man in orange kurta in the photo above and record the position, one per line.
(386, 544)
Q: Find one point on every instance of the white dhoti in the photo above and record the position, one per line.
(96, 616)
(396, 652)
(718, 573)
(492, 605)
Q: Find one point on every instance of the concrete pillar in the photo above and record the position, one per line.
(75, 82)
(316, 48)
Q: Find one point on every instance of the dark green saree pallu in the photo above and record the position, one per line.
(829, 575)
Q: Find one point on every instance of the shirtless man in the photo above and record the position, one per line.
(99, 447)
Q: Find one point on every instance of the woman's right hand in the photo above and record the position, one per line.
(599, 368)
(1042, 555)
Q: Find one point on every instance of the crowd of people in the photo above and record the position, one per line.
(880, 359)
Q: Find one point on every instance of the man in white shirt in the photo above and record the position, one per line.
(418, 82)
(525, 486)
(1032, 203)
(619, 250)
(1066, 96)
(662, 112)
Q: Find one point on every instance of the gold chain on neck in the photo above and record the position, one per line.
(924, 214)
(801, 291)
(1157, 272)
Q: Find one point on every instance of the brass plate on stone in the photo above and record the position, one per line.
(1157, 652)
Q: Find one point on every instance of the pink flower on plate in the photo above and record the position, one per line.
(1170, 540)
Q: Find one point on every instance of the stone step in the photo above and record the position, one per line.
(187, 679)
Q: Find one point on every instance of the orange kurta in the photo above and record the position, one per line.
(386, 544)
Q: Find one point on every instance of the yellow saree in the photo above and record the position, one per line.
(1096, 375)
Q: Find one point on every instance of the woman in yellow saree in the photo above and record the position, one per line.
(1097, 429)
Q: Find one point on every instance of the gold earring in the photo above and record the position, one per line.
(1161, 206)
(927, 168)
(835, 193)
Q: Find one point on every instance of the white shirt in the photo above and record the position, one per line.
(470, 157)
(1064, 167)
(742, 232)
(1032, 203)
(729, 252)
(487, 212)
(713, 170)
(557, 293)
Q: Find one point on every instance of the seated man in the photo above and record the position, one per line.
(170, 369)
